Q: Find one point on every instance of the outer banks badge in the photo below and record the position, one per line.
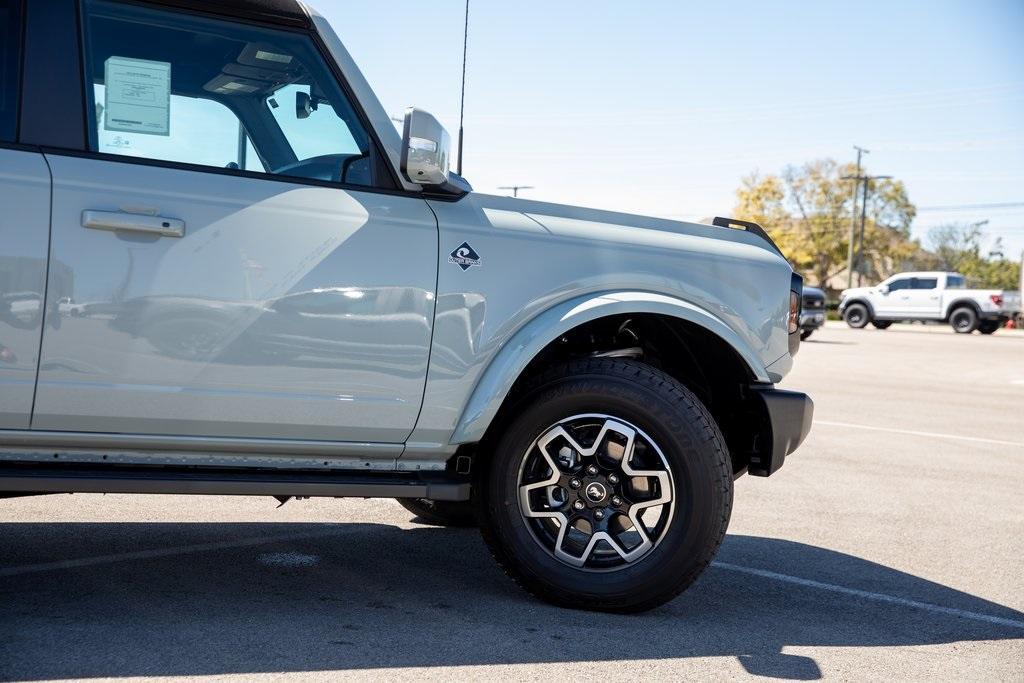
(464, 257)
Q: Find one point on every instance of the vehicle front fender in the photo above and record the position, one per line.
(534, 336)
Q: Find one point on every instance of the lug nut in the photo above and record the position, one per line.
(616, 500)
(574, 483)
(599, 514)
(592, 469)
(613, 479)
(578, 505)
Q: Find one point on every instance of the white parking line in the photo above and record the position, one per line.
(868, 595)
(911, 432)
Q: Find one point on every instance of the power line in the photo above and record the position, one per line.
(969, 207)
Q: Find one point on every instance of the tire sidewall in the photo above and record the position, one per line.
(694, 480)
(864, 316)
(967, 314)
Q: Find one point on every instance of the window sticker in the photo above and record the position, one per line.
(138, 96)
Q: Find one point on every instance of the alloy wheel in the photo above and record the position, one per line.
(596, 492)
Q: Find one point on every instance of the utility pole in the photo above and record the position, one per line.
(863, 217)
(462, 98)
(853, 219)
(515, 188)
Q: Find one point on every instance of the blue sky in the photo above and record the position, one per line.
(661, 107)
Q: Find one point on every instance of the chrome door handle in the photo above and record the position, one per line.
(133, 222)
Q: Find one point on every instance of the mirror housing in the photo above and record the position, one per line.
(884, 289)
(426, 148)
(304, 105)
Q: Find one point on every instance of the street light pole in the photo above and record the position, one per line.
(853, 219)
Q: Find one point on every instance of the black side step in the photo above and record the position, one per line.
(34, 478)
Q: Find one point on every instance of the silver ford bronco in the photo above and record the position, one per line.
(224, 271)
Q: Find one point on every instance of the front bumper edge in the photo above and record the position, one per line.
(789, 416)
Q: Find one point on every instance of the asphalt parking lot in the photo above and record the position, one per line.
(889, 546)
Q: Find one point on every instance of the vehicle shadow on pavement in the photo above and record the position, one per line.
(82, 600)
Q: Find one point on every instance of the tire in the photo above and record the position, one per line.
(677, 447)
(989, 326)
(881, 324)
(857, 316)
(804, 334)
(964, 320)
(441, 512)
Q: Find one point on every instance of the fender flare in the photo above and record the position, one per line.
(859, 300)
(512, 358)
(961, 303)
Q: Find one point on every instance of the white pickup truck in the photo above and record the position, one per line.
(929, 295)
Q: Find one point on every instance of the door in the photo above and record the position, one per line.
(233, 266)
(923, 298)
(893, 303)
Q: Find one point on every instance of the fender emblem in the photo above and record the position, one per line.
(464, 257)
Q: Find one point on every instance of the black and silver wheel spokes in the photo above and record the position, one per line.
(596, 492)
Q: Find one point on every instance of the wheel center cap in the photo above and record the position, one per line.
(595, 492)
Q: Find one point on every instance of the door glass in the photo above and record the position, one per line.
(925, 282)
(178, 87)
(10, 48)
(899, 284)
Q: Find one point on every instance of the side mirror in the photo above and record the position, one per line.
(425, 147)
(884, 289)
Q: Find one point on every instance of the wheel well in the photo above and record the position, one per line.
(863, 302)
(962, 303)
(701, 360)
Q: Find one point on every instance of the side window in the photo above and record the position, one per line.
(925, 282)
(899, 284)
(955, 282)
(183, 88)
(10, 64)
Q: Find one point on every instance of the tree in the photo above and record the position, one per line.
(807, 210)
(958, 246)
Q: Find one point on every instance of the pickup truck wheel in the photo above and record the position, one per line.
(441, 512)
(611, 490)
(856, 316)
(804, 334)
(964, 320)
(881, 324)
(989, 326)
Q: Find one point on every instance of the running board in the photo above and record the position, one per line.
(220, 481)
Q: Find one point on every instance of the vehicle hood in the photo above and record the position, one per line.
(600, 225)
(856, 291)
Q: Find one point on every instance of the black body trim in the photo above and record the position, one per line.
(749, 226)
(51, 94)
(23, 478)
(282, 12)
(789, 414)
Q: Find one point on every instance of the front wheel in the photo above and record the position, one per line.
(881, 324)
(804, 334)
(610, 491)
(856, 316)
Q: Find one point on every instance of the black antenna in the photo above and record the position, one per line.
(462, 101)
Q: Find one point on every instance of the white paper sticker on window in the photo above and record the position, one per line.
(138, 96)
